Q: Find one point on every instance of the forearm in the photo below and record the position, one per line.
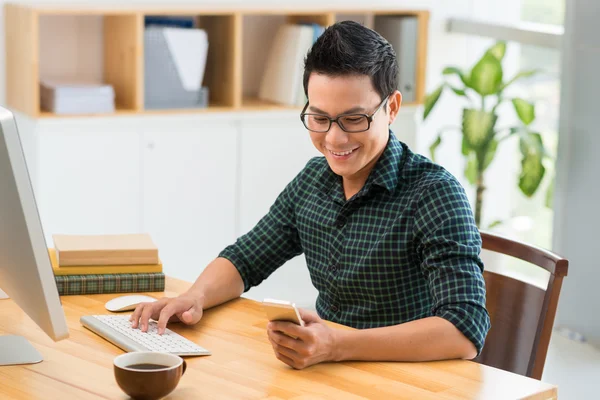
(218, 283)
(427, 339)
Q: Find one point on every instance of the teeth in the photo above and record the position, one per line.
(341, 154)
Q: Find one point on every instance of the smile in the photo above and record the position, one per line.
(342, 153)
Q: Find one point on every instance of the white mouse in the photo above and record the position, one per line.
(127, 303)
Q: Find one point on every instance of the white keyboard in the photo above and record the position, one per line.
(117, 330)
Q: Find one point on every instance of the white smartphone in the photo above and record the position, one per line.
(281, 310)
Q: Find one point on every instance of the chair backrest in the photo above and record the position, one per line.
(522, 315)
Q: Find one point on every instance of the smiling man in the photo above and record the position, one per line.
(389, 237)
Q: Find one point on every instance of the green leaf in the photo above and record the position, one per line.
(525, 110)
(457, 71)
(434, 146)
(478, 127)
(471, 169)
(459, 92)
(489, 155)
(498, 50)
(532, 168)
(522, 74)
(486, 76)
(550, 195)
(465, 146)
(495, 224)
(431, 99)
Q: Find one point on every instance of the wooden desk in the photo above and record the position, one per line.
(242, 365)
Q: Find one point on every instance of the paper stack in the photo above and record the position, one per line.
(91, 264)
(76, 97)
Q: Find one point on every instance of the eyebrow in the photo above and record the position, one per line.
(357, 109)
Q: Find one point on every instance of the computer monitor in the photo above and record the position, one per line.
(26, 273)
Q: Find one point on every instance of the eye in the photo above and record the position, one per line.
(320, 120)
(353, 120)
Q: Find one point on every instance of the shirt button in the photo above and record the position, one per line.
(340, 222)
(333, 268)
(334, 308)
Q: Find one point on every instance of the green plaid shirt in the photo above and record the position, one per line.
(404, 247)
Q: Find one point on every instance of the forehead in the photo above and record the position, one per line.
(336, 94)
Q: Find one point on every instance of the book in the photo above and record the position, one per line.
(110, 283)
(103, 250)
(101, 269)
(284, 68)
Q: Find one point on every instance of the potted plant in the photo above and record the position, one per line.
(484, 88)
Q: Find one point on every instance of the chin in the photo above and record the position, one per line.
(345, 171)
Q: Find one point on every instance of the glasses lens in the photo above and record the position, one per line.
(316, 123)
(354, 123)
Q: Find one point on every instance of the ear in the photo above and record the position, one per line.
(393, 106)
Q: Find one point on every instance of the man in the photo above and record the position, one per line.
(389, 237)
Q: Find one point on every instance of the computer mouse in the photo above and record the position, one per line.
(127, 303)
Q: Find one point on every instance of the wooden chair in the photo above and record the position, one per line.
(522, 315)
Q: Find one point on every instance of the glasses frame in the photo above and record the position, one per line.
(369, 118)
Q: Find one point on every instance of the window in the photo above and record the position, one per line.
(544, 90)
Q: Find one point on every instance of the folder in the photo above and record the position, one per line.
(401, 32)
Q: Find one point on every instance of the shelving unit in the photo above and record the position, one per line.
(105, 44)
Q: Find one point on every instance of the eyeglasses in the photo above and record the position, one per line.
(350, 123)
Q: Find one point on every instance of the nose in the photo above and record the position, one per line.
(336, 136)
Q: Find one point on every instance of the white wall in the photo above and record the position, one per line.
(577, 186)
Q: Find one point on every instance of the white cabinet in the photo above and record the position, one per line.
(88, 177)
(273, 152)
(189, 189)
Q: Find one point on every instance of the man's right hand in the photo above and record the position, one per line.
(185, 308)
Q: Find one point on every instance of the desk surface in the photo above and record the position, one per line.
(242, 365)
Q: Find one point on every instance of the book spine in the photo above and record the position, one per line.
(110, 283)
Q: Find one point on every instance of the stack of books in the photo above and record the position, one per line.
(95, 264)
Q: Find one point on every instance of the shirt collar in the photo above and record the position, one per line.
(386, 172)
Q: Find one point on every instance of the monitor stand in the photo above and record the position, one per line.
(16, 350)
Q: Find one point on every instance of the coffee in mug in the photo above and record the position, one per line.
(148, 375)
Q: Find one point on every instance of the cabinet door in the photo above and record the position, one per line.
(273, 152)
(189, 190)
(89, 177)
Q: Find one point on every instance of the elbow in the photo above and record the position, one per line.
(467, 349)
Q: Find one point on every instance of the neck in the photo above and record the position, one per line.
(352, 186)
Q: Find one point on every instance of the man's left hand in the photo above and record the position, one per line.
(314, 343)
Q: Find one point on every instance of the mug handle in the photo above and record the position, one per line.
(184, 368)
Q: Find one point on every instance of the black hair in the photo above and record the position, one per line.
(349, 48)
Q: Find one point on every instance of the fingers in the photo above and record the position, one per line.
(309, 316)
(164, 317)
(285, 359)
(165, 310)
(283, 340)
(147, 314)
(135, 317)
(292, 329)
(137, 313)
(284, 354)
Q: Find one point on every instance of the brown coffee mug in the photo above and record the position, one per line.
(148, 375)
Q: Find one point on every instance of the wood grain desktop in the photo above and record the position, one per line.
(242, 365)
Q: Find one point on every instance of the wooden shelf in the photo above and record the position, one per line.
(105, 43)
(256, 104)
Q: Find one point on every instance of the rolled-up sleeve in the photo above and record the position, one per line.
(271, 242)
(449, 244)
